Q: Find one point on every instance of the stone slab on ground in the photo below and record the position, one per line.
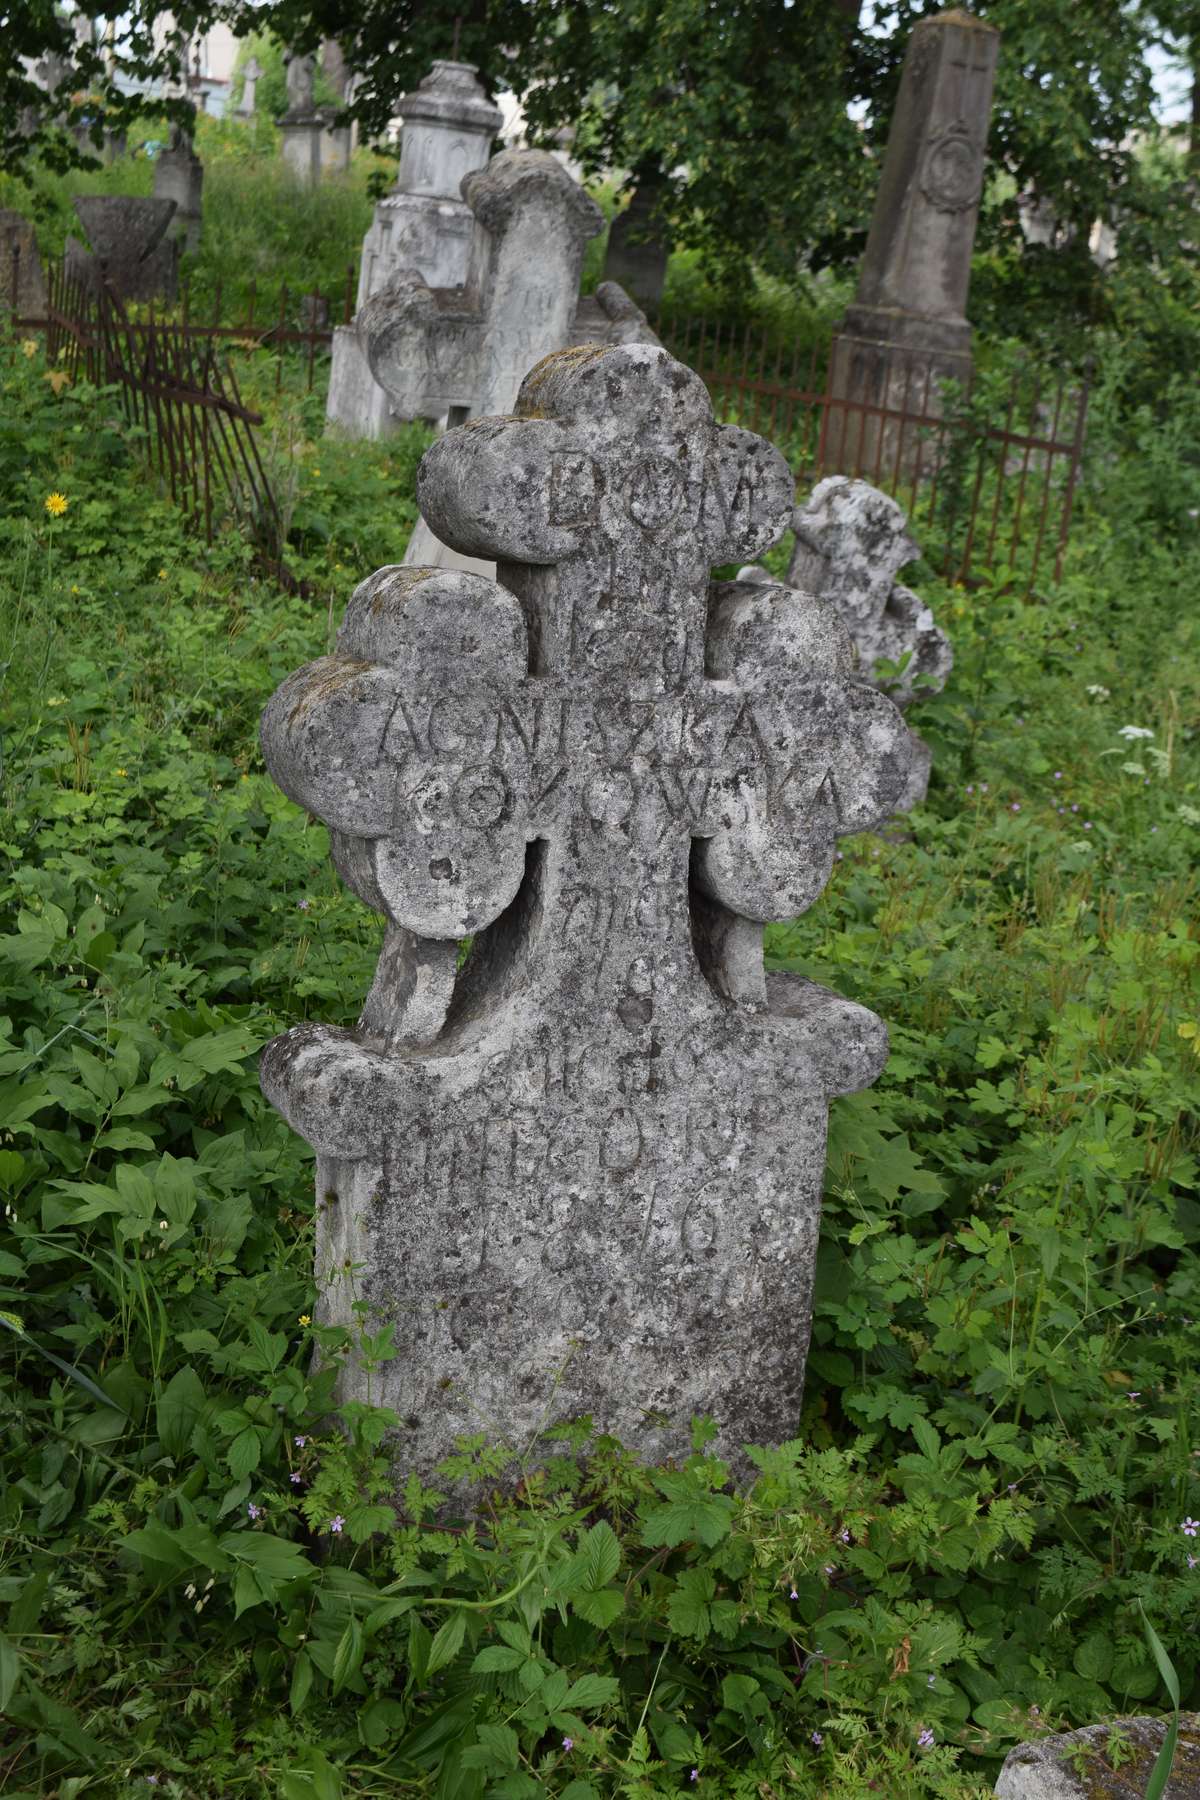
(1040, 1770)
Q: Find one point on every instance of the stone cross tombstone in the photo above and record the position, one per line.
(22, 283)
(302, 127)
(179, 176)
(906, 331)
(251, 76)
(851, 543)
(583, 1173)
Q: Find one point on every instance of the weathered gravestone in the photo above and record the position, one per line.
(851, 543)
(302, 127)
(22, 284)
(907, 332)
(637, 251)
(1075, 1765)
(179, 176)
(457, 353)
(424, 226)
(584, 1174)
(251, 76)
(130, 245)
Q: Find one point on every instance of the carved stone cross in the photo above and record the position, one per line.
(583, 1173)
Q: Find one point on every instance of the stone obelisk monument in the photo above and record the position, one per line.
(907, 329)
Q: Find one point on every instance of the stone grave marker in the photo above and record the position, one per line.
(251, 76)
(906, 331)
(851, 543)
(130, 241)
(457, 353)
(583, 1173)
(179, 176)
(424, 226)
(302, 127)
(637, 252)
(22, 283)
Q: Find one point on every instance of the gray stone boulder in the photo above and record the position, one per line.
(1046, 1770)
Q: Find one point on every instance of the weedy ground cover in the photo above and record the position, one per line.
(207, 1585)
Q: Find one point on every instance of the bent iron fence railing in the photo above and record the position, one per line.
(980, 496)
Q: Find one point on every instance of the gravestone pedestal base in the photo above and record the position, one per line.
(300, 146)
(884, 366)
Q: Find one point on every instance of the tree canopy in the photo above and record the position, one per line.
(760, 121)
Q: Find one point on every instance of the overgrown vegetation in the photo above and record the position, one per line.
(208, 1587)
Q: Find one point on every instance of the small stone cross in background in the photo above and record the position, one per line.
(582, 1174)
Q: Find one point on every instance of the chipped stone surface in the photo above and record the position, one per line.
(582, 1174)
(1040, 1770)
(129, 242)
(851, 543)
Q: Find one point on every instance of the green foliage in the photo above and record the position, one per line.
(208, 1575)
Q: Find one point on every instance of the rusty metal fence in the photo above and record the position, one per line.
(987, 473)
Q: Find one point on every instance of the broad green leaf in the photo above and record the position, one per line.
(591, 1691)
(496, 1659)
(602, 1555)
(10, 1671)
(244, 1452)
(348, 1658)
(178, 1410)
(447, 1641)
(302, 1680)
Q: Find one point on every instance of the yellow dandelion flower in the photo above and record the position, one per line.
(305, 1319)
(162, 574)
(120, 771)
(56, 505)
(29, 347)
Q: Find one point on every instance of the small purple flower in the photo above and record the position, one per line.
(1074, 806)
(1133, 1394)
(1190, 1527)
(817, 1739)
(925, 1739)
(1018, 721)
(1058, 774)
(1035, 1712)
(299, 1442)
(971, 789)
(831, 1568)
(568, 1743)
(1153, 829)
(295, 1478)
(336, 1523)
(695, 1775)
(1012, 1487)
(793, 1595)
(254, 1511)
(931, 1681)
(1087, 824)
(1061, 809)
(1016, 806)
(1192, 1561)
(844, 1534)
(303, 905)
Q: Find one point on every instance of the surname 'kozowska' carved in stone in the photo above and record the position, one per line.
(583, 1173)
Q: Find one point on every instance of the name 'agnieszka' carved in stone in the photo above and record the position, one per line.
(583, 1173)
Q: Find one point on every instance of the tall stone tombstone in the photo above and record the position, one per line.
(251, 76)
(424, 225)
(303, 125)
(335, 143)
(583, 1173)
(907, 329)
(179, 176)
(22, 282)
(637, 252)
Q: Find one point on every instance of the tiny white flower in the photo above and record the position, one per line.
(1135, 731)
(1097, 692)
(1188, 814)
